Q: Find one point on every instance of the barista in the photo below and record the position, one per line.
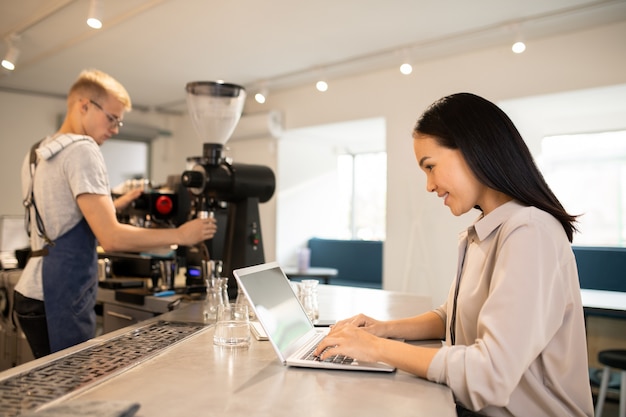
(69, 208)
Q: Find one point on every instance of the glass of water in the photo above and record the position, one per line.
(232, 328)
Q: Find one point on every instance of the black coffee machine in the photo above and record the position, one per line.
(230, 192)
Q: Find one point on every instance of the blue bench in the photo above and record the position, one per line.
(359, 262)
(601, 268)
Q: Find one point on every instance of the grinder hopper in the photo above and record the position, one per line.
(215, 108)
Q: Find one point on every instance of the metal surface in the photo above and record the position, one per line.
(152, 304)
(74, 373)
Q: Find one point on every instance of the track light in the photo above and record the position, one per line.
(261, 95)
(406, 68)
(518, 46)
(94, 18)
(10, 59)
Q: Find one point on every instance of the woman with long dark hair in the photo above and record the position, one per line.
(513, 322)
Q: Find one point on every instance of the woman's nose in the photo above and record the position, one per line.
(430, 185)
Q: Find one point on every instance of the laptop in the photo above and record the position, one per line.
(288, 328)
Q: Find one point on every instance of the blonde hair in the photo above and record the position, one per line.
(96, 84)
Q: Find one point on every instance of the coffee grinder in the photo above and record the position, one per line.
(231, 192)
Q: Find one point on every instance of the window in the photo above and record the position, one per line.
(323, 172)
(587, 172)
(125, 160)
(362, 182)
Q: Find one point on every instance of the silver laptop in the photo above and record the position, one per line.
(283, 318)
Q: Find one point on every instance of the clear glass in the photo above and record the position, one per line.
(308, 295)
(215, 109)
(214, 298)
(243, 299)
(222, 283)
(232, 328)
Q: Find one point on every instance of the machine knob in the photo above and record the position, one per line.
(192, 179)
(164, 205)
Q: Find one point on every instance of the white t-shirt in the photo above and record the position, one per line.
(68, 165)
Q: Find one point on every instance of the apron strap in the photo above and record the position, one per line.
(30, 202)
(41, 252)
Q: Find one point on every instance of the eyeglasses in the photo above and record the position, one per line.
(113, 120)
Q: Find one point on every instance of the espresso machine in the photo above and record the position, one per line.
(230, 192)
(156, 207)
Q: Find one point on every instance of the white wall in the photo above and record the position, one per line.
(24, 120)
(420, 250)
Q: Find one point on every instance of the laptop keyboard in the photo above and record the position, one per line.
(344, 360)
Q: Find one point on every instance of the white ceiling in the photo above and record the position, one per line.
(154, 47)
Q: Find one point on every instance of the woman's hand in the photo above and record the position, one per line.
(356, 337)
(368, 324)
(349, 340)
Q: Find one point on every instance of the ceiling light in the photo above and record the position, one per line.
(321, 86)
(261, 94)
(518, 47)
(10, 59)
(406, 68)
(94, 18)
(259, 97)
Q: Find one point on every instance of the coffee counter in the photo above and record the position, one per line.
(193, 377)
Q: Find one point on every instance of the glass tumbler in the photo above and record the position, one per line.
(232, 328)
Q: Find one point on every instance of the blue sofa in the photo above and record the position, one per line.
(601, 268)
(359, 262)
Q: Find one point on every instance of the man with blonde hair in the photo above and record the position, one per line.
(67, 194)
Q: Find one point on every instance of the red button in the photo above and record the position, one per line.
(164, 205)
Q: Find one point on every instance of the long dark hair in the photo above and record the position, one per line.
(494, 150)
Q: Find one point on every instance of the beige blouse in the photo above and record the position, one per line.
(520, 347)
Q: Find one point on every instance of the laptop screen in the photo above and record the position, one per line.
(276, 304)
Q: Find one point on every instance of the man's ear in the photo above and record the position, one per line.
(83, 104)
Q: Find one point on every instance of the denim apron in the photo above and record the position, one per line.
(70, 283)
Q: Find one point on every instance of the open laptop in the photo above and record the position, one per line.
(283, 318)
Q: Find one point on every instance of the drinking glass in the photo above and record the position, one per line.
(232, 328)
